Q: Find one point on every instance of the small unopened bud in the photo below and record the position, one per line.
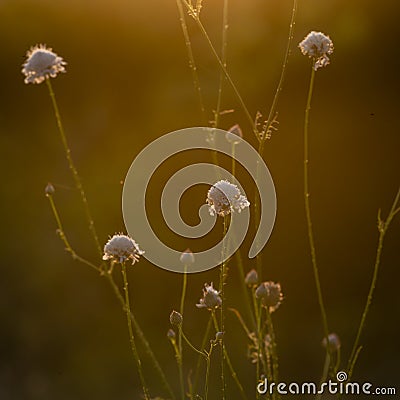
(171, 334)
(49, 189)
(334, 342)
(234, 134)
(187, 257)
(175, 318)
(251, 278)
(219, 335)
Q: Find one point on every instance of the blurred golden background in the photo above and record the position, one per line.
(63, 334)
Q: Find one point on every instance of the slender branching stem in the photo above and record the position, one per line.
(142, 337)
(131, 336)
(228, 361)
(383, 226)
(308, 209)
(222, 66)
(279, 88)
(223, 60)
(188, 342)
(63, 237)
(192, 63)
(117, 293)
(73, 169)
(203, 346)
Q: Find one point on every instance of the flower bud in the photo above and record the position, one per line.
(49, 189)
(251, 278)
(334, 342)
(171, 334)
(187, 257)
(176, 318)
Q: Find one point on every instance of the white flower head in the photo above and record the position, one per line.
(210, 299)
(317, 45)
(41, 64)
(225, 197)
(121, 248)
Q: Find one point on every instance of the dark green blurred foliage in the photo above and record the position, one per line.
(63, 333)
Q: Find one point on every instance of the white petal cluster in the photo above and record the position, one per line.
(121, 248)
(210, 299)
(225, 197)
(317, 45)
(41, 64)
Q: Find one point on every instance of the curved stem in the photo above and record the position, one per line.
(73, 169)
(131, 337)
(383, 227)
(225, 72)
(63, 237)
(308, 210)
(223, 60)
(283, 74)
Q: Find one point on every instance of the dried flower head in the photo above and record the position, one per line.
(41, 64)
(270, 294)
(225, 197)
(187, 257)
(251, 278)
(334, 342)
(210, 299)
(120, 248)
(234, 134)
(317, 46)
(175, 318)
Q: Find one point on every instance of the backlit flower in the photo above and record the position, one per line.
(121, 248)
(210, 299)
(42, 63)
(224, 198)
(317, 45)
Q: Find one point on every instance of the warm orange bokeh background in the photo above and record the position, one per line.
(63, 334)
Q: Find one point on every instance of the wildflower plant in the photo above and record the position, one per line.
(261, 298)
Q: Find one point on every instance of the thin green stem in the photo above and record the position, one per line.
(274, 347)
(192, 63)
(206, 385)
(73, 169)
(223, 60)
(223, 68)
(383, 226)
(131, 337)
(180, 334)
(229, 363)
(222, 292)
(142, 337)
(63, 237)
(191, 345)
(279, 88)
(308, 210)
(117, 293)
(203, 345)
